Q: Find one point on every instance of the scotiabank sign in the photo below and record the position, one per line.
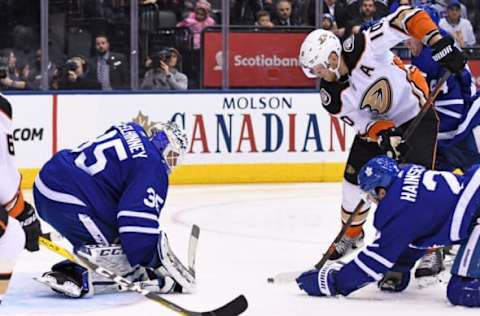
(260, 59)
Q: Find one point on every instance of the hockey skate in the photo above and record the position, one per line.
(430, 265)
(347, 245)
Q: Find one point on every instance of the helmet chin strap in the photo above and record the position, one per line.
(337, 73)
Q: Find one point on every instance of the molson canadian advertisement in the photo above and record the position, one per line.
(241, 137)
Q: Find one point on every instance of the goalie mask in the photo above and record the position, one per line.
(316, 50)
(171, 142)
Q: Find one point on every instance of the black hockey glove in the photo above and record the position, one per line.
(394, 281)
(391, 142)
(31, 226)
(448, 55)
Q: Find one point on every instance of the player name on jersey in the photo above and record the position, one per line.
(410, 184)
(133, 140)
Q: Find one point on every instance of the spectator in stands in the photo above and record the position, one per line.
(367, 13)
(11, 77)
(335, 8)
(461, 29)
(264, 19)
(73, 75)
(328, 23)
(361, 11)
(107, 67)
(33, 73)
(283, 14)
(164, 74)
(197, 21)
(442, 5)
(245, 11)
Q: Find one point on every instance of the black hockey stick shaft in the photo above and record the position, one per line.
(340, 235)
(232, 308)
(428, 104)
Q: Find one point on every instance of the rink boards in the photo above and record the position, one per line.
(234, 137)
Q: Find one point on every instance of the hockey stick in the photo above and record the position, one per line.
(232, 308)
(192, 248)
(290, 276)
(428, 104)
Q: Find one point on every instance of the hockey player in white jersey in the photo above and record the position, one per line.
(370, 89)
(15, 213)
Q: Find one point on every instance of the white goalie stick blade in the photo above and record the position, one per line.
(192, 248)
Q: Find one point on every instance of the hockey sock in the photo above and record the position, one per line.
(4, 280)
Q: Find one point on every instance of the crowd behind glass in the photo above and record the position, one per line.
(89, 40)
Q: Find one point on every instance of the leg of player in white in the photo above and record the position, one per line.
(13, 233)
(12, 241)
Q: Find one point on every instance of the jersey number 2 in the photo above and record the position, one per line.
(431, 184)
(101, 144)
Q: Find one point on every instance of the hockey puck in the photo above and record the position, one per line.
(270, 280)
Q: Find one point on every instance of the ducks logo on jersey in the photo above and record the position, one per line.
(378, 97)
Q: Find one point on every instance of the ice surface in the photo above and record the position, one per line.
(248, 233)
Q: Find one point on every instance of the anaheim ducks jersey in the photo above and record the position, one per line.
(379, 91)
(9, 175)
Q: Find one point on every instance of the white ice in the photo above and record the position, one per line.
(248, 233)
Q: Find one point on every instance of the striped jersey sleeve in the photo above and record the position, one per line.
(138, 216)
(377, 258)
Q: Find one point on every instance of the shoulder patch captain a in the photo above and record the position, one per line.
(378, 97)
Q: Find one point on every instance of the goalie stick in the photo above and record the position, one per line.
(232, 308)
(291, 276)
(192, 248)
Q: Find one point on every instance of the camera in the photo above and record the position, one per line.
(70, 65)
(163, 55)
(63, 70)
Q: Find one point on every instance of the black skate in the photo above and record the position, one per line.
(430, 265)
(347, 245)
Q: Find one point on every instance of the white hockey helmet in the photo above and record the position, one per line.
(170, 140)
(315, 50)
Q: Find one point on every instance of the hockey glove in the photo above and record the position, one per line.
(391, 142)
(319, 282)
(31, 226)
(448, 55)
(394, 281)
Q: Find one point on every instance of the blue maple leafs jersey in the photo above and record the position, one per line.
(454, 104)
(422, 209)
(122, 179)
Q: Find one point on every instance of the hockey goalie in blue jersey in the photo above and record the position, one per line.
(106, 197)
(416, 209)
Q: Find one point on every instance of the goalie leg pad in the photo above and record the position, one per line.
(166, 264)
(464, 291)
(466, 261)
